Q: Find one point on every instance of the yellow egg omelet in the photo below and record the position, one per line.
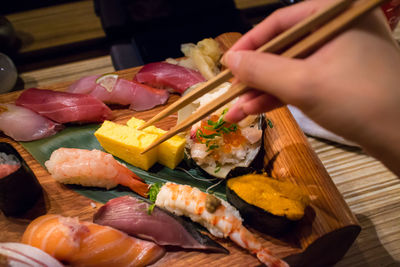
(126, 142)
(170, 152)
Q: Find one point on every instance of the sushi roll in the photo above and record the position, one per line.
(219, 147)
(19, 188)
(268, 205)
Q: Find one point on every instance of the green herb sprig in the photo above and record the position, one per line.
(219, 127)
(153, 192)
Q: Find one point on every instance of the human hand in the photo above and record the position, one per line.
(350, 86)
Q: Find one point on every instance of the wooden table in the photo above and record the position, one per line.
(371, 191)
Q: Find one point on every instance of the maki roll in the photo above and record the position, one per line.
(219, 147)
(19, 188)
(266, 204)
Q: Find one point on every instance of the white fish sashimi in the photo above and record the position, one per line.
(21, 255)
(22, 124)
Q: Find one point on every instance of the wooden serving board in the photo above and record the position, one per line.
(320, 239)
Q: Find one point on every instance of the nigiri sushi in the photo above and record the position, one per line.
(22, 124)
(217, 215)
(92, 168)
(88, 244)
(121, 91)
(19, 188)
(14, 254)
(64, 107)
(136, 217)
(166, 75)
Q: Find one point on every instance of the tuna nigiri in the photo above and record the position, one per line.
(22, 124)
(64, 107)
(135, 217)
(217, 215)
(166, 75)
(88, 244)
(121, 91)
(92, 168)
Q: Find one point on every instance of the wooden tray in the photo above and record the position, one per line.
(320, 239)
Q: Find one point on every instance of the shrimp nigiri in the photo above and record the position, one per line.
(222, 221)
(88, 244)
(92, 168)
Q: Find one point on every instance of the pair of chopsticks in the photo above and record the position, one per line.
(309, 34)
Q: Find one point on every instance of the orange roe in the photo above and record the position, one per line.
(231, 139)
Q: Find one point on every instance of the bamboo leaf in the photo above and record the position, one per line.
(83, 137)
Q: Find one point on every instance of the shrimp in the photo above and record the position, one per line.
(225, 221)
(92, 168)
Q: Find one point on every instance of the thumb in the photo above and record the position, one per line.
(284, 78)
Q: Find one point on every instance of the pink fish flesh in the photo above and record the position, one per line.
(8, 164)
(84, 85)
(131, 216)
(64, 107)
(7, 169)
(22, 124)
(139, 96)
(22, 255)
(166, 75)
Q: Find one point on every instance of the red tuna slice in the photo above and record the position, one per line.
(84, 85)
(130, 215)
(139, 96)
(64, 107)
(162, 75)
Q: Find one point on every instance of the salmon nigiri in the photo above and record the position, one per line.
(88, 244)
(92, 168)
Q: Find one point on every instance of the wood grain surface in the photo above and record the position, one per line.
(328, 216)
(71, 23)
(370, 190)
(287, 156)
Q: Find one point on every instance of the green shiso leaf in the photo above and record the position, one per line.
(153, 191)
(151, 208)
(83, 137)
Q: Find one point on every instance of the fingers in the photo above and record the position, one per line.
(276, 23)
(252, 102)
(284, 78)
(236, 112)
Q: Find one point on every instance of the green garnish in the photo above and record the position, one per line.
(270, 124)
(151, 208)
(219, 128)
(218, 167)
(213, 146)
(153, 192)
(210, 136)
(233, 127)
(225, 130)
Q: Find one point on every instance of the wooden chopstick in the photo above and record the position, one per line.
(303, 47)
(276, 44)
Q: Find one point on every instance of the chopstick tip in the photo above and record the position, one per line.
(150, 147)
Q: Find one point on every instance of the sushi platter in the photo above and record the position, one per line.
(320, 238)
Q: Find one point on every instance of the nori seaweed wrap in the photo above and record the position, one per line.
(20, 189)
